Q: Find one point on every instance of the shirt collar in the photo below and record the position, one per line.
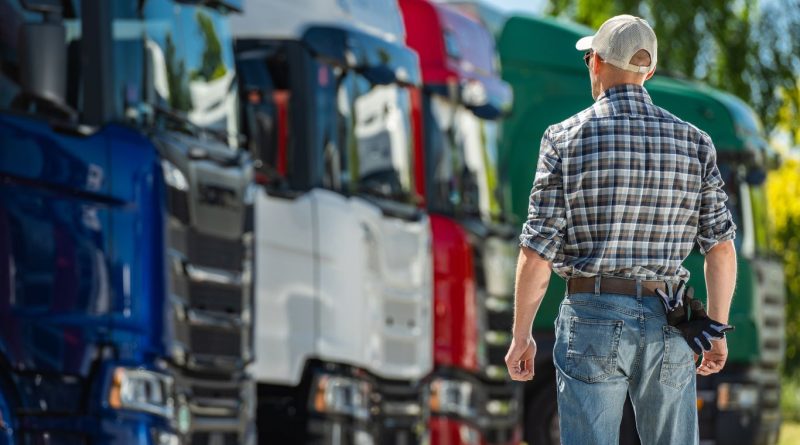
(628, 91)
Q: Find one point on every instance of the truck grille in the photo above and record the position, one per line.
(495, 263)
(402, 414)
(771, 318)
(498, 315)
(501, 411)
(209, 299)
(494, 268)
(210, 317)
(215, 407)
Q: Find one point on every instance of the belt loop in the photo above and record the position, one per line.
(638, 287)
(597, 285)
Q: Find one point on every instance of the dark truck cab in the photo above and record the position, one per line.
(125, 245)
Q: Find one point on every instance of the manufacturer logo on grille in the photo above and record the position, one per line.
(214, 195)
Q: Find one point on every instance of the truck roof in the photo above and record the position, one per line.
(492, 18)
(454, 47)
(542, 41)
(730, 122)
(290, 18)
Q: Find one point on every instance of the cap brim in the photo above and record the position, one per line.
(584, 43)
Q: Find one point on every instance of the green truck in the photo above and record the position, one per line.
(741, 404)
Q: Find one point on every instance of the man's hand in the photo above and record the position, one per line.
(519, 359)
(714, 360)
(701, 330)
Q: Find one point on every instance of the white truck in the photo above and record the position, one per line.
(343, 275)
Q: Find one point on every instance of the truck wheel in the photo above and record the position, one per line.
(541, 418)
(7, 420)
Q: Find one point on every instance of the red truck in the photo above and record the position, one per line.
(456, 119)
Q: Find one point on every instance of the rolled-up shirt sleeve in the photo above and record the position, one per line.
(715, 222)
(543, 232)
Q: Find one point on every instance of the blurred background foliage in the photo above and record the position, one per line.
(783, 195)
(750, 48)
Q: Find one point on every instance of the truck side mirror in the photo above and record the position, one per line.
(43, 63)
(755, 176)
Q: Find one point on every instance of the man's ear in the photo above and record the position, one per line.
(650, 74)
(596, 60)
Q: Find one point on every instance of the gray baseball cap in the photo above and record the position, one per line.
(619, 38)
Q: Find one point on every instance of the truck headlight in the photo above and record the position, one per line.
(736, 396)
(341, 395)
(165, 438)
(452, 397)
(142, 390)
(173, 176)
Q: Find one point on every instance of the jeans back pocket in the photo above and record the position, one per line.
(677, 365)
(593, 346)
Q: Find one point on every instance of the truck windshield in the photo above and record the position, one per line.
(375, 138)
(172, 58)
(359, 128)
(461, 160)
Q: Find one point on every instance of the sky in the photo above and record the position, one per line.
(534, 6)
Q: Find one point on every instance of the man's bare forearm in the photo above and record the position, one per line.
(720, 271)
(533, 276)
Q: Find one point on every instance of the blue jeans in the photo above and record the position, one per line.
(610, 345)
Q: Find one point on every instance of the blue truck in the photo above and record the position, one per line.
(125, 225)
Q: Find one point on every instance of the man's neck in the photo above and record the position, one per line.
(608, 85)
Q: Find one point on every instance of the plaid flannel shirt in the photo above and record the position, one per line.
(624, 188)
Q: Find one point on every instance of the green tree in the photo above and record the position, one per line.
(179, 96)
(212, 67)
(783, 190)
(750, 48)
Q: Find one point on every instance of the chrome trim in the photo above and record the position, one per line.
(501, 407)
(199, 409)
(401, 408)
(497, 338)
(495, 372)
(213, 275)
(497, 304)
(198, 317)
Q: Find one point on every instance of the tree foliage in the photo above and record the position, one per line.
(783, 190)
(750, 48)
(212, 66)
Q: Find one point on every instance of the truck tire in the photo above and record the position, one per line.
(541, 417)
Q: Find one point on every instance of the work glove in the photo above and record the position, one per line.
(699, 330)
(674, 302)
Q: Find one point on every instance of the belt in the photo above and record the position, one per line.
(612, 285)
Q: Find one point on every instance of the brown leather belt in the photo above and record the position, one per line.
(612, 285)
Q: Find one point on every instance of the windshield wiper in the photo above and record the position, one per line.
(190, 127)
(227, 4)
